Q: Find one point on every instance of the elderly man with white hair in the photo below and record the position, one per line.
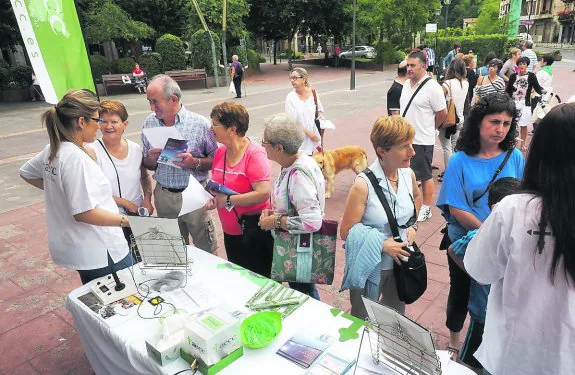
(237, 74)
(164, 96)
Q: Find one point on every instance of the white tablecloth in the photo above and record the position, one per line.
(117, 346)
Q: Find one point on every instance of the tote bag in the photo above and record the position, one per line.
(451, 118)
(307, 257)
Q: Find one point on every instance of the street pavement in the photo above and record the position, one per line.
(37, 334)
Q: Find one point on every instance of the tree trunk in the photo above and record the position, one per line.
(290, 40)
(275, 51)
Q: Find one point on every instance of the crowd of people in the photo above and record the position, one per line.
(508, 220)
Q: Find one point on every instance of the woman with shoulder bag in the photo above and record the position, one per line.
(121, 162)
(298, 196)
(485, 152)
(455, 88)
(364, 215)
(304, 104)
(490, 83)
(242, 166)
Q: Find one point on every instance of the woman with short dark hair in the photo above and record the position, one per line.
(491, 82)
(242, 166)
(486, 141)
(525, 250)
(519, 89)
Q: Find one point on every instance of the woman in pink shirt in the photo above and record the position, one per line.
(242, 166)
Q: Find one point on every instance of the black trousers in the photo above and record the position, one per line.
(238, 86)
(253, 252)
(458, 296)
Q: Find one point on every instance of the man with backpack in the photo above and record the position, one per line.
(237, 74)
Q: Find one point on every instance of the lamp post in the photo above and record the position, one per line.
(224, 53)
(446, 2)
(352, 79)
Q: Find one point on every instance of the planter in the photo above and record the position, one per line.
(15, 95)
(100, 89)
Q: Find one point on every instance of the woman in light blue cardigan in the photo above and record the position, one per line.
(365, 226)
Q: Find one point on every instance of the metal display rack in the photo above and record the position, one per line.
(162, 251)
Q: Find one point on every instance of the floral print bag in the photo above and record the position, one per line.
(306, 257)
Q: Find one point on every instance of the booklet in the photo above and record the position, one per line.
(302, 350)
(212, 185)
(332, 364)
(171, 149)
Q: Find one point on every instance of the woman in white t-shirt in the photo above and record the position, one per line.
(455, 87)
(525, 251)
(84, 225)
(121, 162)
(301, 103)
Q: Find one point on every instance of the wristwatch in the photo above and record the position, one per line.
(414, 226)
(229, 205)
(279, 222)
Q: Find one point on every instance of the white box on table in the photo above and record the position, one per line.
(212, 335)
(165, 351)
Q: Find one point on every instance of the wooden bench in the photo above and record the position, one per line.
(189, 75)
(115, 80)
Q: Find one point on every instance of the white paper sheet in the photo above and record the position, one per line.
(194, 197)
(159, 136)
(326, 124)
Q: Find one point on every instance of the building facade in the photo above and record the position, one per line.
(547, 21)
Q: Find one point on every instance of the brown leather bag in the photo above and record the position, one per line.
(451, 118)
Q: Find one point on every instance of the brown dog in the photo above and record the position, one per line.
(331, 162)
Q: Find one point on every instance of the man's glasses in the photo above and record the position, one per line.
(294, 78)
(98, 120)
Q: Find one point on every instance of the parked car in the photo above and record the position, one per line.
(365, 52)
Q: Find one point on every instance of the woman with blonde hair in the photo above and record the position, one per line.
(510, 65)
(84, 225)
(365, 224)
(304, 103)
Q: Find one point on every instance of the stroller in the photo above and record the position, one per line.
(544, 105)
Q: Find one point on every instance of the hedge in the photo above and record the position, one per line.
(124, 65)
(254, 60)
(201, 48)
(150, 63)
(100, 66)
(171, 48)
(482, 44)
(385, 53)
(241, 52)
(15, 76)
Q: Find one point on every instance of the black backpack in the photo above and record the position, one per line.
(239, 70)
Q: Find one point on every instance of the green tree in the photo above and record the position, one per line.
(201, 47)
(489, 21)
(164, 16)
(458, 10)
(9, 31)
(171, 48)
(212, 11)
(109, 22)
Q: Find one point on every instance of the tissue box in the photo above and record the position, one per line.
(166, 350)
(211, 336)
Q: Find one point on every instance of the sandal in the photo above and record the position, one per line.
(440, 176)
(453, 353)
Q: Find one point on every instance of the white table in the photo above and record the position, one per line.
(118, 347)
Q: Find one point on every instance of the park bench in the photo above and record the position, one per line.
(189, 75)
(114, 80)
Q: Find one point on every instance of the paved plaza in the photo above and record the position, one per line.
(37, 334)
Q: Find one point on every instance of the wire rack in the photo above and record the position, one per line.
(390, 344)
(160, 250)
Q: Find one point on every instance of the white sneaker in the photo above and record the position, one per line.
(424, 213)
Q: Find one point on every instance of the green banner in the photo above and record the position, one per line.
(54, 42)
(513, 18)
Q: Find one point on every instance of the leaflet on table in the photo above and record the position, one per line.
(114, 313)
(193, 298)
(213, 186)
(194, 196)
(160, 135)
(172, 148)
(334, 362)
(302, 350)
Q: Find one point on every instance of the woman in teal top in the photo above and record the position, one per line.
(487, 136)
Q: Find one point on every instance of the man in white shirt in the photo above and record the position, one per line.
(426, 113)
(528, 52)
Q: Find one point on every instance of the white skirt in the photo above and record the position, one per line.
(525, 119)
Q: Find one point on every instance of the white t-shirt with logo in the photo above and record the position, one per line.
(128, 171)
(73, 183)
(421, 112)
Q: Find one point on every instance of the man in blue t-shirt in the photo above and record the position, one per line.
(478, 293)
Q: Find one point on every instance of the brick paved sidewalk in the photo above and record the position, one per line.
(37, 334)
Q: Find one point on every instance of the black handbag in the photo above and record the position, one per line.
(410, 275)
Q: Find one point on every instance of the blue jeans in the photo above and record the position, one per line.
(306, 288)
(88, 275)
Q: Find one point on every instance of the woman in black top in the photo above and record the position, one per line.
(472, 79)
(519, 88)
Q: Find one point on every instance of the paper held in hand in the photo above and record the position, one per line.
(326, 124)
(160, 135)
(194, 197)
